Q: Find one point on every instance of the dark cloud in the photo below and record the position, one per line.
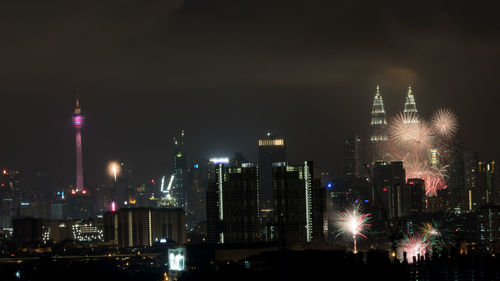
(227, 71)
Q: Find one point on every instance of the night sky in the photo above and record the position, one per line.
(228, 71)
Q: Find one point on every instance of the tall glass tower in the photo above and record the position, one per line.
(78, 121)
(378, 127)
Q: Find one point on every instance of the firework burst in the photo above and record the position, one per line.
(437, 234)
(444, 122)
(410, 128)
(413, 245)
(353, 222)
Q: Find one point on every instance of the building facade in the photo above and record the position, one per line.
(129, 227)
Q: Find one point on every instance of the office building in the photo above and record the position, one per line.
(390, 192)
(352, 159)
(180, 172)
(416, 188)
(299, 204)
(488, 226)
(271, 150)
(131, 227)
(233, 204)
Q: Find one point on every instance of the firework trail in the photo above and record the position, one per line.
(444, 123)
(353, 222)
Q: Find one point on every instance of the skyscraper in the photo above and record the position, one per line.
(378, 126)
(390, 189)
(78, 121)
(471, 160)
(271, 150)
(299, 203)
(410, 105)
(233, 204)
(487, 191)
(352, 162)
(180, 171)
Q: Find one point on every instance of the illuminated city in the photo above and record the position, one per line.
(249, 140)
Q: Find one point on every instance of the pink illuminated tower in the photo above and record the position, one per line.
(78, 121)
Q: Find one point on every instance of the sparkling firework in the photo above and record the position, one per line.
(434, 177)
(352, 222)
(444, 122)
(412, 139)
(410, 128)
(437, 234)
(414, 245)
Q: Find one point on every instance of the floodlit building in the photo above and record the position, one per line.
(378, 128)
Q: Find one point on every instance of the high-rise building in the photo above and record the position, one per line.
(130, 227)
(196, 205)
(471, 160)
(486, 185)
(11, 196)
(410, 105)
(378, 127)
(299, 204)
(233, 204)
(390, 190)
(352, 161)
(78, 122)
(416, 188)
(271, 150)
(180, 172)
(488, 226)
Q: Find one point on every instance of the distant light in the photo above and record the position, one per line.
(84, 191)
(357, 201)
(113, 207)
(3, 184)
(25, 203)
(366, 201)
(329, 185)
(195, 166)
(62, 195)
(163, 240)
(4, 171)
(384, 189)
(73, 192)
(125, 202)
(18, 274)
(220, 160)
(153, 181)
(59, 193)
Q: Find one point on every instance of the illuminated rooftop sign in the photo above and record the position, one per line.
(274, 142)
(222, 160)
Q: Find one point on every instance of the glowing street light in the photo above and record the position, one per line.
(114, 169)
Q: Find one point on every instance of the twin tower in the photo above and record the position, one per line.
(378, 124)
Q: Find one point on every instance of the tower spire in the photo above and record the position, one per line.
(410, 105)
(78, 121)
(378, 126)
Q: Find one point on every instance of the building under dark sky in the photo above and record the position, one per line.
(228, 71)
